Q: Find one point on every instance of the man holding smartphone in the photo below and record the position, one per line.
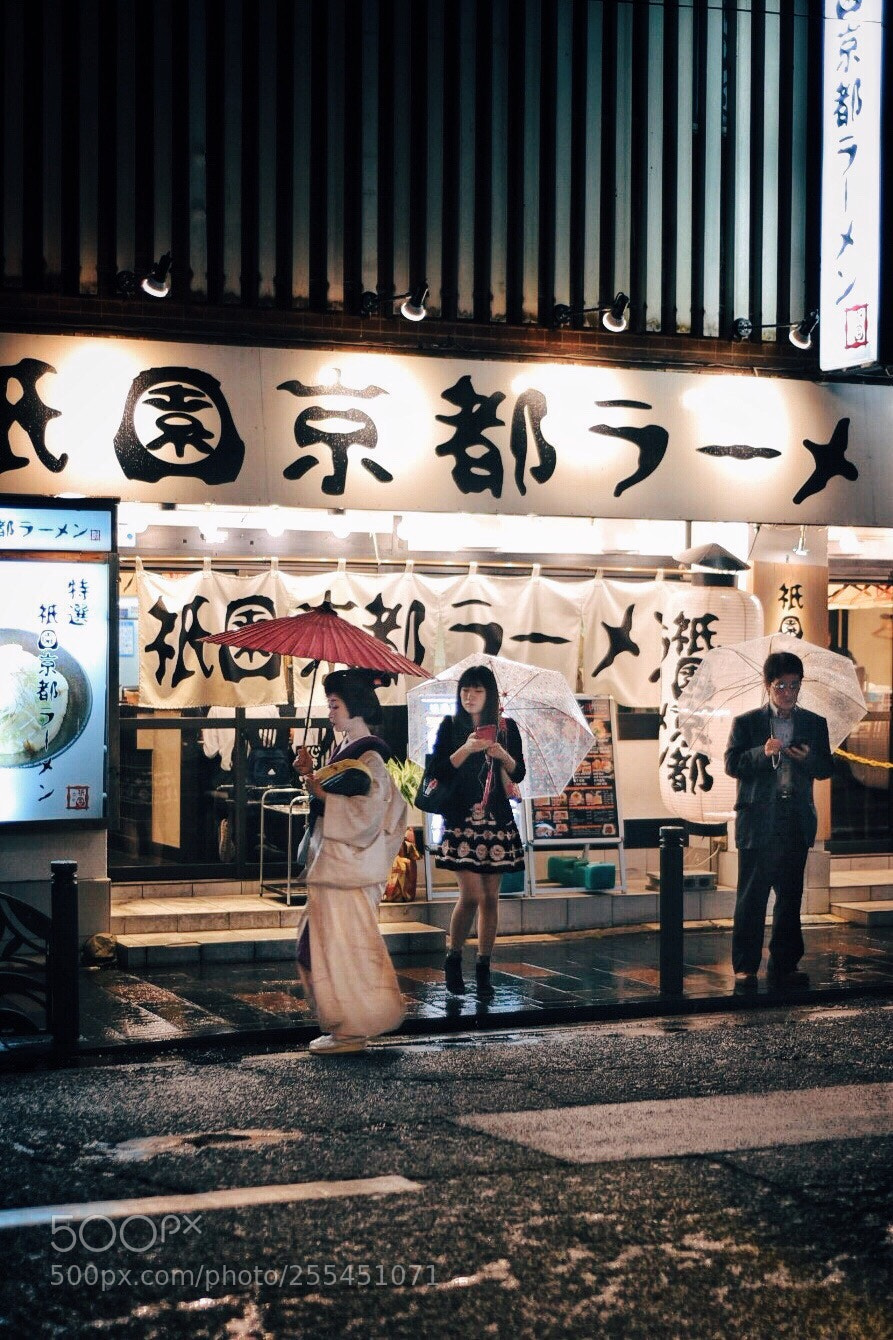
(775, 752)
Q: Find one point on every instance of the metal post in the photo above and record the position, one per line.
(62, 983)
(671, 910)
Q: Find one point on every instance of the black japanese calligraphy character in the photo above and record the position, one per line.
(693, 634)
(686, 770)
(619, 640)
(537, 639)
(830, 460)
(474, 471)
(29, 412)
(238, 663)
(651, 441)
(654, 677)
(307, 433)
(531, 405)
(490, 633)
(791, 625)
(413, 647)
(177, 423)
(191, 632)
(791, 597)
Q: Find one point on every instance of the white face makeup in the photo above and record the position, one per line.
(338, 713)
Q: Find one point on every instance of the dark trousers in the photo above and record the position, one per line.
(780, 865)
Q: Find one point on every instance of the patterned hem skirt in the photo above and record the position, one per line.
(482, 845)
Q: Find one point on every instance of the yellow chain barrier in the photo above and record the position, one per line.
(857, 758)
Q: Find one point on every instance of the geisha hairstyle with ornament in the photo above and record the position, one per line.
(355, 690)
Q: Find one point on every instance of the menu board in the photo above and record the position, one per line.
(54, 663)
(587, 809)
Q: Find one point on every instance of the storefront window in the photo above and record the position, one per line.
(861, 793)
(190, 793)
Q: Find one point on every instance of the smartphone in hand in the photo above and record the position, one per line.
(485, 733)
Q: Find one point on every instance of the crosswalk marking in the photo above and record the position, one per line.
(229, 1199)
(616, 1132)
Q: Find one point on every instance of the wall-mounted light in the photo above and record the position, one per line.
(156, 283)
(412, 304)
(614, 314)
(799, 332)
(800, 549)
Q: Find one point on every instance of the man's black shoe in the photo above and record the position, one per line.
(787, 979)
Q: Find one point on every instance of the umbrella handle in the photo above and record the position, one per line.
(310, 704)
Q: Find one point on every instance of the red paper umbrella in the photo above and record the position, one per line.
(319, 635)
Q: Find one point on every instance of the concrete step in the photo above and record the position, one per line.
(149, 916)
(861, 885)
(875, 912)
(162, 949)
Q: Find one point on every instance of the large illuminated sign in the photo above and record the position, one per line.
(851, 165)
(54, 664)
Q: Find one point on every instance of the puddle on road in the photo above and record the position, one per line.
(147, 1147)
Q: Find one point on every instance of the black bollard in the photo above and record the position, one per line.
(63, 984)
(671, 910)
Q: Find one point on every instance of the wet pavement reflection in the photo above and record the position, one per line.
(535, 981)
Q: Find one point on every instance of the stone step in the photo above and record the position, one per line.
(876, 912)
(149, 916)
(167, 949)
(861, 885)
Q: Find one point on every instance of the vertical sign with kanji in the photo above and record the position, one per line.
(851, 196)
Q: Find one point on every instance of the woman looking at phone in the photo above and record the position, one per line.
(477, 753)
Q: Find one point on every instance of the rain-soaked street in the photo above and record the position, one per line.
(722, 1175)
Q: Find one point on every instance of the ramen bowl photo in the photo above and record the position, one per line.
(43, 707)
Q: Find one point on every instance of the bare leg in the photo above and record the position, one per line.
(488, 914)
(466, 906)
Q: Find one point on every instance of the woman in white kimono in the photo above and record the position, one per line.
(358, 821)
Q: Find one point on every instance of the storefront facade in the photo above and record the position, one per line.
(505, 469)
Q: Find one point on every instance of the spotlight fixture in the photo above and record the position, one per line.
(800, 549)
(801, 335)
(412, 303)
(799, 332)
(156, 283)
(614, 314)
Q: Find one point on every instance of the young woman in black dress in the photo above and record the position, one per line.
(477, 751)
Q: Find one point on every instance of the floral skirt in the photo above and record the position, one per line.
(482, 845)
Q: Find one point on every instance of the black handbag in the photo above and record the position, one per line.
(434, 795)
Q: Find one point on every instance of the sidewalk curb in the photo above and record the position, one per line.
(45, 1055)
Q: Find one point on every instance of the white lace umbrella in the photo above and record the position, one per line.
(554, 732)
(729, 681)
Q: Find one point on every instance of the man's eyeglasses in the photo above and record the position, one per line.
(786, 685)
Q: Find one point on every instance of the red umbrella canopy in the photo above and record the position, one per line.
(319, 635)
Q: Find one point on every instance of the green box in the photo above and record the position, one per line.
(512, 882)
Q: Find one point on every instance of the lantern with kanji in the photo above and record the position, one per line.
(709, 612)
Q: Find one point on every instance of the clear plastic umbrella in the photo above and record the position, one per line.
(554, 732)
(729, 681)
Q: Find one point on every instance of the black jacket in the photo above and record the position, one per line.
(757, 782)
(468, 781)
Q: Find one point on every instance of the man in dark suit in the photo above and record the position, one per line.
(775, 753)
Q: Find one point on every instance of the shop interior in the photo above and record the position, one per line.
(190, 804)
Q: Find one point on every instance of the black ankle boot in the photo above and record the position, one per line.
(482, 977)
(452, 968)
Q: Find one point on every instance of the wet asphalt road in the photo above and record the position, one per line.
(486, 1236)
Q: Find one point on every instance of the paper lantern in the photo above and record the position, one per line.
(696, 618)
